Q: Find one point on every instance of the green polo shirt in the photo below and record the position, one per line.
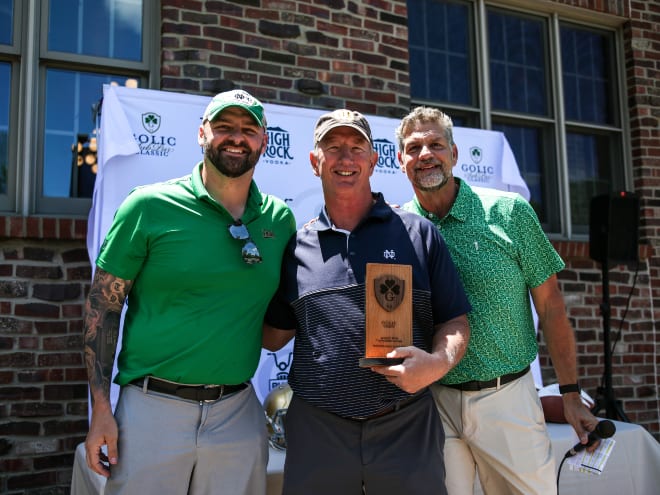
(500, 251)
(195, 310)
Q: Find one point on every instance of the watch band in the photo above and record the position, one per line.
(568, 388)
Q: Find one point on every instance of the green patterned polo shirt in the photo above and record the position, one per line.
(500, 250)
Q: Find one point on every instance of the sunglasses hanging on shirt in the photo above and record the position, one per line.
(250, 253)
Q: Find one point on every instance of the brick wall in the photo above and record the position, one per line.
(633, 343)
(638, 357)
(44, 277)
(358, 51)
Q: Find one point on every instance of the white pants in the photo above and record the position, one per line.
(499, 434)
(171, 445)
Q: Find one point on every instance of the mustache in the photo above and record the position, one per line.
(228, 143)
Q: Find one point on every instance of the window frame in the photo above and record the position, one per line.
(10, 54)
(31, 60)
(558, 223)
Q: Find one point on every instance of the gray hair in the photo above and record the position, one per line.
(424, 115)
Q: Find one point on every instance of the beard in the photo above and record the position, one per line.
(432, 179)
(230, 166)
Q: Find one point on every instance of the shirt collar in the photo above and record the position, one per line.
(380, 210)
(460, 210)
(254, 200)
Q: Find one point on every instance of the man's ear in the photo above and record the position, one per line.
(374, 162)
(401, 165)
(314, 162)
(264, 144)
(201, 136)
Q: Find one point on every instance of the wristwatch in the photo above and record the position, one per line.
(571, 387)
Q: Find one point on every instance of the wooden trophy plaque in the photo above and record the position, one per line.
(388, 309)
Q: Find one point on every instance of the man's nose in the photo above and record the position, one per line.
(345, 152)
(425, 150)
(237, 135)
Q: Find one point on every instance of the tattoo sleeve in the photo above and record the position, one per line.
(101, 329)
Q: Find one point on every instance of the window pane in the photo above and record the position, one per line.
(518, 75)
(587, 76)
(590, 159)
(527, 144)
(112, 28)
(6, 10)
(440, 47)
(5, 79)
(70, 99)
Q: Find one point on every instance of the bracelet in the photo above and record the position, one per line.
(571, 387)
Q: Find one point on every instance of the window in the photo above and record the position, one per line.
(5, 76)
(548, 83)
(51, 83)
(6, 40)
(439, 55)
(6, 27)
(593, 137)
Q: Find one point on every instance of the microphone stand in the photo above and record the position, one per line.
(605, 399)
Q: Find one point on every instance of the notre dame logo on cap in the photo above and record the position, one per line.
(389, 290)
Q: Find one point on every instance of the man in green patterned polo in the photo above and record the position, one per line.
(490, 409)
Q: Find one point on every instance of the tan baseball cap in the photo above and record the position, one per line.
(342, 118)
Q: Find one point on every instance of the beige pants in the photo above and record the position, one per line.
(499, 434)
(173, 446)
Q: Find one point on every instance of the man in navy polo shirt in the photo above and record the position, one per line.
(350, 428)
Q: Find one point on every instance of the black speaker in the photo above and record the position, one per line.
(614, 228)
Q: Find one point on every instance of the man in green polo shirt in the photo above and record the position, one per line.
(490, 409)
(196, 259)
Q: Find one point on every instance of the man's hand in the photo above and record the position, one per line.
(418, 370)
(102, 431)
(580, 418)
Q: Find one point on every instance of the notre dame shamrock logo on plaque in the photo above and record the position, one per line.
(388, 312)
(389, 290)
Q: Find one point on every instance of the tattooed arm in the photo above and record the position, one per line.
(101, 331)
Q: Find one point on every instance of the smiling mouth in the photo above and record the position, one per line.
(344, 173)
(229, 149)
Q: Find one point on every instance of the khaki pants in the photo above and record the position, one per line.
(499, 434)
(172, 445)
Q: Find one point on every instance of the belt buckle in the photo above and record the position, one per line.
(222, 392)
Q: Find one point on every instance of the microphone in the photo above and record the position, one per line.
(604, 429)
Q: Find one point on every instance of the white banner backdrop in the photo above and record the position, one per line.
(148, 136)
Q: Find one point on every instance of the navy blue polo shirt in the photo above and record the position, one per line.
(322, 296)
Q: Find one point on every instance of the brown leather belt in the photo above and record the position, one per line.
(475, 385)
(189, 392)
